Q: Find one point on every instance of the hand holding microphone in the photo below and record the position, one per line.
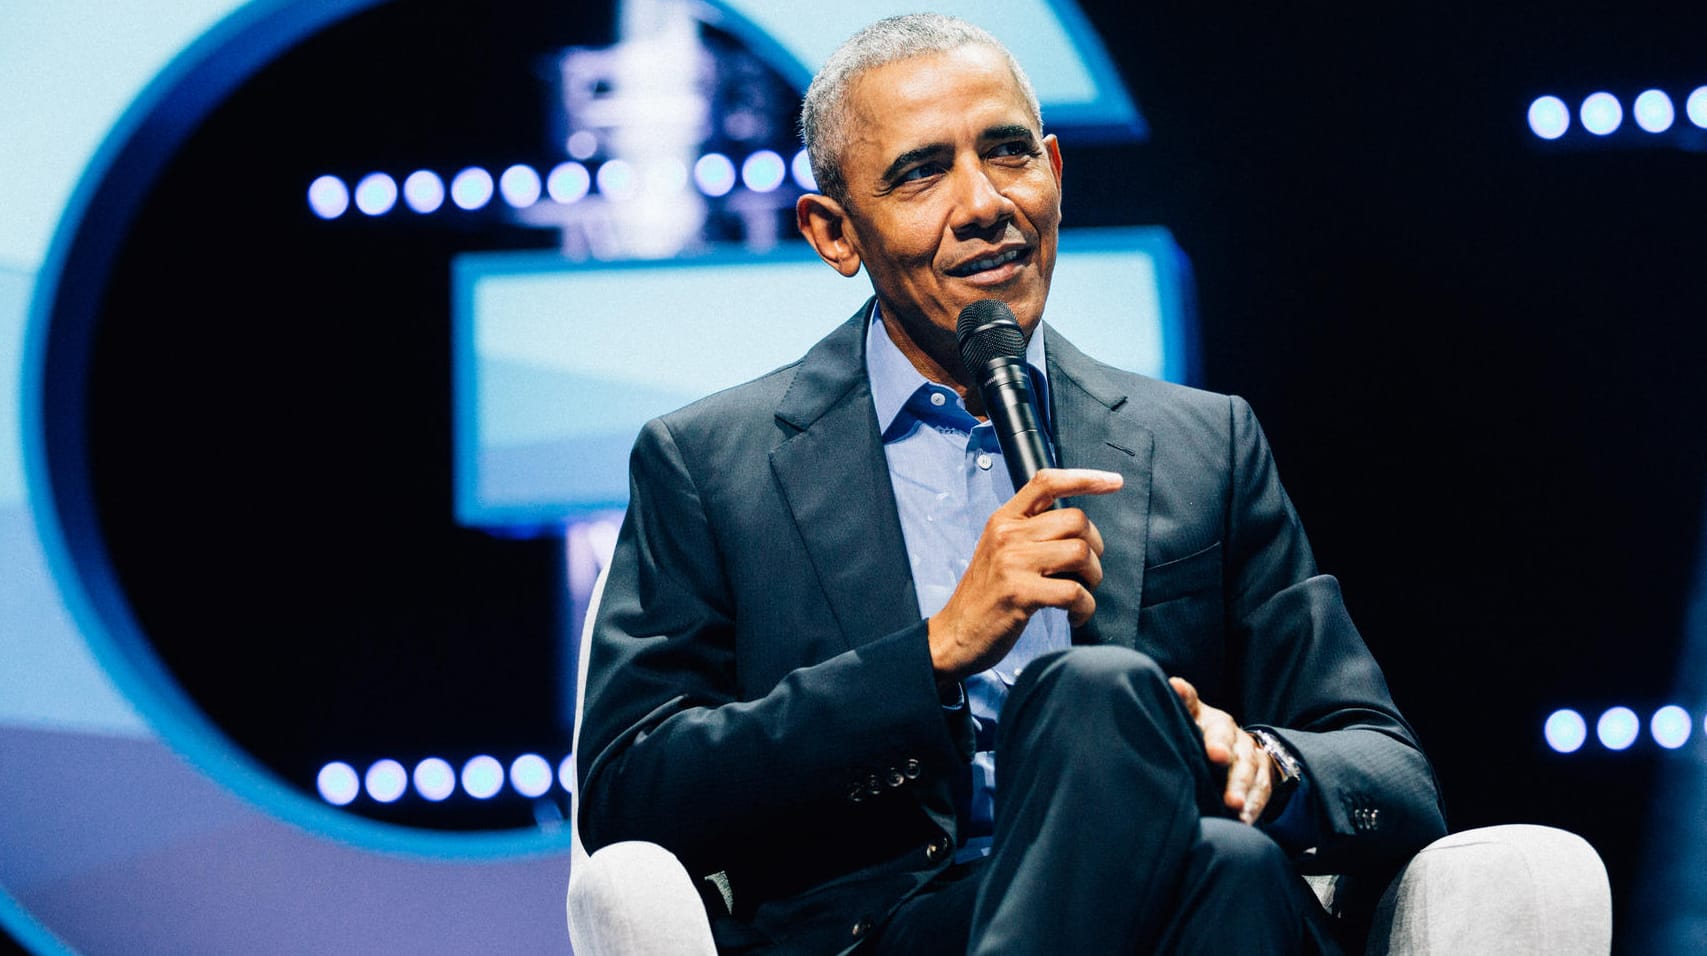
(1032, 553)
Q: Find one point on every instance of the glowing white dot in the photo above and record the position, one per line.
(802, 169)
(1566, 730)
(714, 174)
(376, 194)
(1549, 117)
(482, 777)
(1653, 111)
(338, 783)
(617, 179)
(568, 182)
(763, 171)
(1670, 726)
(1696, 107)
(328, 197)
(386, 780)
(471, 189)
(1618, 728)
(435, 779)
(1601, 113)
(520, 186)
(530, 775)
(424, 191)
(566, 774)
(583, 144)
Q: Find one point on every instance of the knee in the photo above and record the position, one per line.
(1240, 852)
(1100, 671)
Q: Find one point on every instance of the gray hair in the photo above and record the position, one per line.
(824, 114)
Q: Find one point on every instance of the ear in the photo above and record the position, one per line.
(1053, 147)
(826, 226)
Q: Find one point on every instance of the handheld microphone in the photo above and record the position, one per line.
(992, 348)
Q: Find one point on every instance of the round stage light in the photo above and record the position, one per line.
(1696, 107)
(1601, 113)
(482, 777)
(530, 775)
(583, 144)
(1670, 726)
(763, 171)
(471, 189)
(1549, 117)
(801, 167)
(328, 197)
(386, 780)
(566, 774)
(1566, 730)
(520, 186)
(376, 194)
(1653, 111)
(424, 191)
(568, 182)
(338, 783)
(714, 174)
(1618, 728)
(617, 180)
(435, 779)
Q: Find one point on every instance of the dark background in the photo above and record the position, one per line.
(1476, 355)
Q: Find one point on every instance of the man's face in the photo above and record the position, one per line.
(954, 195)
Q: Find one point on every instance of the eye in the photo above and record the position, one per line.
(921, 171)
(1018, 147)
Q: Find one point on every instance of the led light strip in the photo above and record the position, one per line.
(482, 777)
(1566, 731)
(1602, 114)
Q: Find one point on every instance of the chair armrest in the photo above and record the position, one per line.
(636, 899)
(1515, 889)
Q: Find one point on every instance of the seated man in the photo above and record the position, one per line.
(905, 709)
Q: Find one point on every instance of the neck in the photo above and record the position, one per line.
(943, 369)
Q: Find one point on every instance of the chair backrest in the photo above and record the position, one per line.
(583, 652)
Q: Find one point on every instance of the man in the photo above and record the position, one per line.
(827, 624)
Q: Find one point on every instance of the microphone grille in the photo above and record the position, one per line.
(987, 330)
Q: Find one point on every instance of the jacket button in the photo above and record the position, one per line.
(861, 928)
(935, 849)
(873, 785)
(912, 769)
(894, 778)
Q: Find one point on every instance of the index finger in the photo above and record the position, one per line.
(1050, 485)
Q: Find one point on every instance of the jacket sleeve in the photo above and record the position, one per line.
(1305, 673)
(670, 752)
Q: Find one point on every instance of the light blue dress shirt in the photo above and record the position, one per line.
(949, 475)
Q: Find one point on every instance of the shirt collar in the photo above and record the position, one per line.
(894, 380)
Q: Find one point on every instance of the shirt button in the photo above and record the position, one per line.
(937, 399)
(984, 462)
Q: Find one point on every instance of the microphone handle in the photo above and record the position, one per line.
(1006, 388)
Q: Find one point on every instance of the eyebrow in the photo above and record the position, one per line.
(1009, 131)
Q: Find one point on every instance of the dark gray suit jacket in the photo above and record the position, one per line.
(760, 666)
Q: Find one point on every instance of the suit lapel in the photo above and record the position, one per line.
(1096, 430)
(835, 478)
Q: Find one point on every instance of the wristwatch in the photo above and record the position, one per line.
(1285, 763)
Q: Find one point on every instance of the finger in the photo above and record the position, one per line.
(1242, 772)
(1187, 695)
(1071, 557)
(1052, 484)
(1262, 787)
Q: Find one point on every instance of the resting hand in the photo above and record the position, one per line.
(1250, 770)
(1028, 557)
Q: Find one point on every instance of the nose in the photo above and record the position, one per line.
(980, 205)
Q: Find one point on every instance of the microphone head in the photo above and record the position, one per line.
(987, 330)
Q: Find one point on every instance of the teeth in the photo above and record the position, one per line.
(986, 264)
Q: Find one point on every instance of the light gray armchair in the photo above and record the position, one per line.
(1515, 890)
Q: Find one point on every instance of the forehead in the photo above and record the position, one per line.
(934, 98)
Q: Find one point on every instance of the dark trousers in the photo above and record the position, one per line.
(1110, 835)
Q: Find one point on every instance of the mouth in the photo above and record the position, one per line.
(989, 263)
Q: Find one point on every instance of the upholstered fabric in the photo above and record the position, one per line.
(1515, 890)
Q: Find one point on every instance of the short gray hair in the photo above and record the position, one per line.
(824, 114)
